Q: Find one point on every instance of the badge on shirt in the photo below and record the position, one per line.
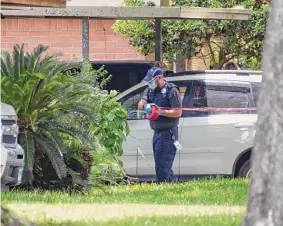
(163, 90)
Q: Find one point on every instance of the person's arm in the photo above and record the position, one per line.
(175, 103)
(173, 113)
(143, 100)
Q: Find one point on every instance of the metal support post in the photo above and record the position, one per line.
(158, 40)
(85, 42)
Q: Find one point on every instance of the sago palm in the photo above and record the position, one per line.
(52, 107)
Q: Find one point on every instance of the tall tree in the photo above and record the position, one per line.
(265, 205)
(259, 3)
(223, 40)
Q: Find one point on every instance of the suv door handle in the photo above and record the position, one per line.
(243, 125)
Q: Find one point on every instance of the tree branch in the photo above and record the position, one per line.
(210, 49)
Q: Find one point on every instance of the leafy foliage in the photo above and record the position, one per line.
(84, 166)
(223, 40)
(106, 169)
(113, 128)
(52, 107)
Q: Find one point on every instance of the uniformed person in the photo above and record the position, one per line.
(164, 99)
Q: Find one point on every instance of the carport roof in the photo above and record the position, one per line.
(122, 12)
(33, 3)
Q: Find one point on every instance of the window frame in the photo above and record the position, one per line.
(131, 95)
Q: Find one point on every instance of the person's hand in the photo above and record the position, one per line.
(153, 111)
(148, 108)
(141, 104)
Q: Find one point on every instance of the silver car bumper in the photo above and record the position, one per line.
(13, 170)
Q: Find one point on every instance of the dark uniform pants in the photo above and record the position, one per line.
(164, 154)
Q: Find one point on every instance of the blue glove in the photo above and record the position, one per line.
(147, 108)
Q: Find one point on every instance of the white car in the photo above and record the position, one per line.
(12, 154)
(216, 130)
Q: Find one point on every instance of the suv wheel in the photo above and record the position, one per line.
(245, 170)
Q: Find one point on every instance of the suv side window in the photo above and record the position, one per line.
(130, 102)
(217, 97)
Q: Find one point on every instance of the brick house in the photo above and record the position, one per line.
(65, 35)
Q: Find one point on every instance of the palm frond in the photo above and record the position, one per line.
(85, 110)
(18, 60)
(33, 93)
(55, 139)
(6, 64)
(27, 141)
(53, 154)
(35, 57)
(79, 133)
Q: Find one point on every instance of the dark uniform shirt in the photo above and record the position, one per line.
(168, 97)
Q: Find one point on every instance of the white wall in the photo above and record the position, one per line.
(99, 2)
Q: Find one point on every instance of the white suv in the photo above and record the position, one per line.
(216, 130)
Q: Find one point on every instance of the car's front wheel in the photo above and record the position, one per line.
(245, 170)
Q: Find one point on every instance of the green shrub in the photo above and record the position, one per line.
(63, 117)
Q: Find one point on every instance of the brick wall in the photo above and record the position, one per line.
(64, 35)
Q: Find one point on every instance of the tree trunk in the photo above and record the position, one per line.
(180, 63)
(265, 206)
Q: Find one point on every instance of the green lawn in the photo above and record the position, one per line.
(225, 220)
(204, 192)
(200, 202)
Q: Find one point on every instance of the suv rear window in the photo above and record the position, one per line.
(208, 97)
